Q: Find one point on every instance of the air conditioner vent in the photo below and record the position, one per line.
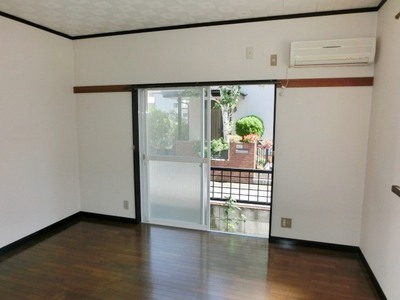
(360, 51)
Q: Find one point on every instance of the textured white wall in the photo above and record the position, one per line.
(320, 158)
(105, 153)
(380, 239)
(214, 53)
(38, 138)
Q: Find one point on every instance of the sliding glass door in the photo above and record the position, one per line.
(174, 157)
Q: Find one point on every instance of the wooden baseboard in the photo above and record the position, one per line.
(41, 234)
(88, 216)
(55, 228)
(371, 275)
(286, 242)
(293, 242)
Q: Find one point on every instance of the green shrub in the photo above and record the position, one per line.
(217, 146)
(250, 125)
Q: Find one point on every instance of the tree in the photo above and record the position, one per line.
(227, 102)
(161, 129)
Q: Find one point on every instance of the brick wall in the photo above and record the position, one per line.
(241, 156)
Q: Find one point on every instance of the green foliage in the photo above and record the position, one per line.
(250, 125)
(229, 97)
(217, 146)
(180, 130)
(161, 129)
(164, 129)
(230, 219)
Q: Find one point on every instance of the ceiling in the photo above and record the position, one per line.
(77, 18)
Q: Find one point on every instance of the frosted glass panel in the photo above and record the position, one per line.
(174, 122)
(175, 191)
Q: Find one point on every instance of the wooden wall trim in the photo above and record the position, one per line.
(102, 89)
(288, 83)
(396, 190)
(325, 82)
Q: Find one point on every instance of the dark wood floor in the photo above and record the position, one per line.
(88, 260)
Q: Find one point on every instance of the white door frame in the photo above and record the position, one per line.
(204, 163)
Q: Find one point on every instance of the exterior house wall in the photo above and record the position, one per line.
(260, 102)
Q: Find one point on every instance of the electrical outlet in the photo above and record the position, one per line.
(286, 222)
(273, 61)
(126, 204)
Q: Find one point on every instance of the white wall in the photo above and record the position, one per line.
(380, 239)
(105, 153)
(328, 204)
(214, 53)
(320, 158)
(38, 138)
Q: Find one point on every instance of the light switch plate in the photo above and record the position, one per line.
(273, 60)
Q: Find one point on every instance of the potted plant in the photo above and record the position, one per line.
(218, 147)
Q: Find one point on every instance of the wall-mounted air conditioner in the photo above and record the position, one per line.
(358, 51)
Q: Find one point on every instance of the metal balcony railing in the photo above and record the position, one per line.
(244, 185)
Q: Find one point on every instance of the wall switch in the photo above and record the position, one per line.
(273, 61)
(286, 222)
(126, 204)
(249, 53)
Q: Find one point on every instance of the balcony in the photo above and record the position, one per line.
(250, 186)
(252, 190)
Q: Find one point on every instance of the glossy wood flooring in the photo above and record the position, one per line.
(88, 260)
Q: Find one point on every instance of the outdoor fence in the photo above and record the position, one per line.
(244, 185)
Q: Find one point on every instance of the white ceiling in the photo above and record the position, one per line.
(85, 17)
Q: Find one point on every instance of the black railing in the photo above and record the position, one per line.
(244, 185)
